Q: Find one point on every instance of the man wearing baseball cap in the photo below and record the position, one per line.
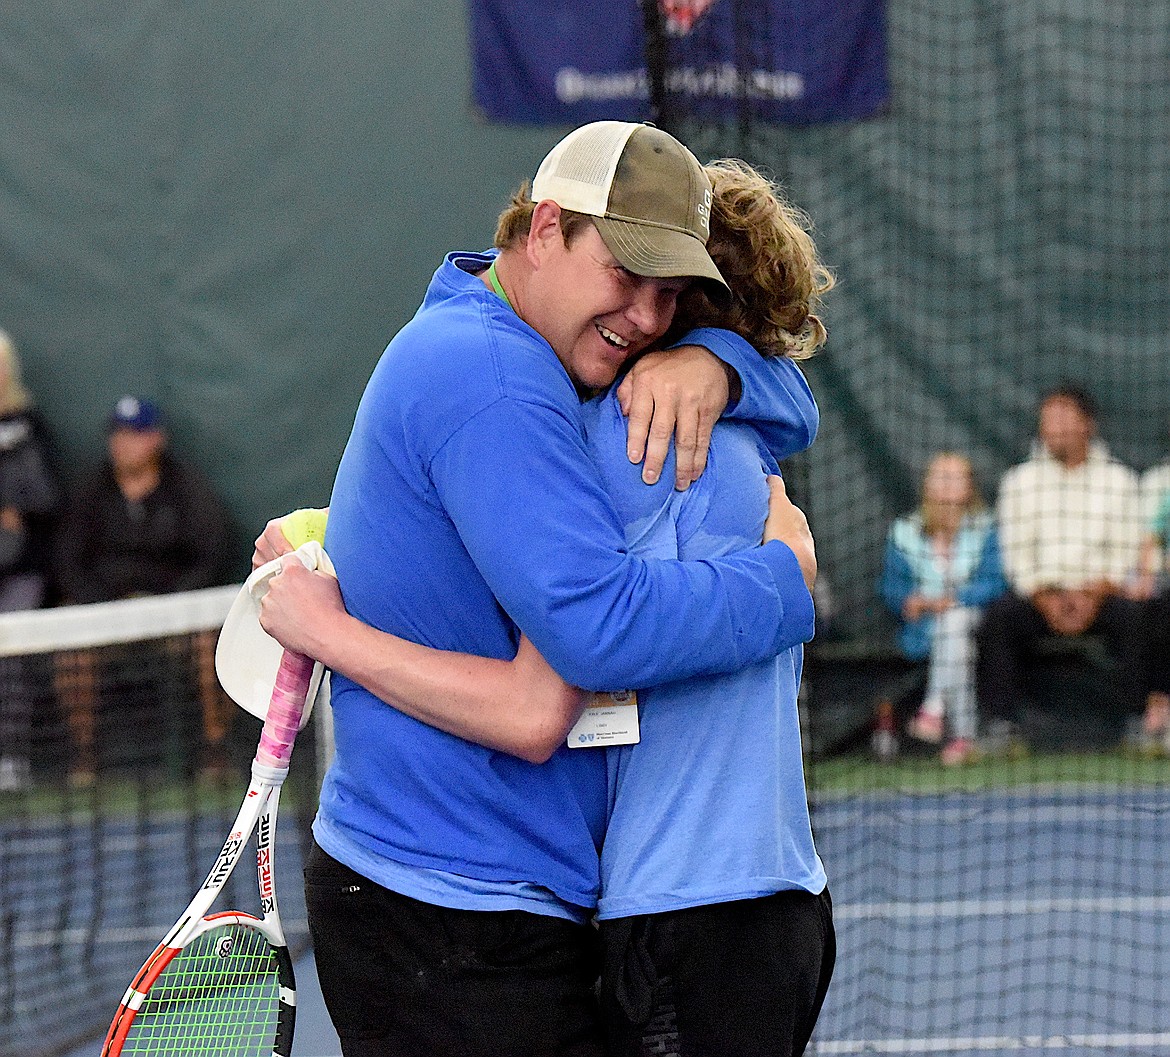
(137, 414)
(146, 522)
(628, 179)
(451, 886)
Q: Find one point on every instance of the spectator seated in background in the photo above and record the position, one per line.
(1070, 528)
(1155, 486)
(146, 523)
(28, 500)
(1150, 588)
(942, 566)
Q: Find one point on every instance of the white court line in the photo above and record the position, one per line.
(975, 908)
(121, 843)
(836, 816)
(1145, 1041)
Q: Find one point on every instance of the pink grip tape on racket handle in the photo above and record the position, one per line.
(284, 710)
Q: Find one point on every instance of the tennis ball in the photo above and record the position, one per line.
(303, 525)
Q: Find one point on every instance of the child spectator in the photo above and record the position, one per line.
(942, 566)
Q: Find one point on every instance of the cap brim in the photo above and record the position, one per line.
(657, 252)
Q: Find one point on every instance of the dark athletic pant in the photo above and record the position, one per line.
(403, 978)
(1013, 627)
(745, 978)
(1158, 623)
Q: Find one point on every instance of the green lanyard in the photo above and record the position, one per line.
(495, 281)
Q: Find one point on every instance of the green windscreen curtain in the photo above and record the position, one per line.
(232, 208)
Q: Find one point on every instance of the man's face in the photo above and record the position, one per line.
(1065, 431)
(132, 450)
(593, 312)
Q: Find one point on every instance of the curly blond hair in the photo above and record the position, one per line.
(762, 246)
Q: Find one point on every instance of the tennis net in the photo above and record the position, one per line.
(124, 765)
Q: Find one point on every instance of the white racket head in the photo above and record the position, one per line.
(247, 657)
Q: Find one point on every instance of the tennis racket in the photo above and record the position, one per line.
(223, 983)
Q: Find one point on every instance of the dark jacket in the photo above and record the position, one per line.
(28, 483)
(175, 539)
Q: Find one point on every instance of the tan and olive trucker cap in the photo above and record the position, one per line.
(648, 194)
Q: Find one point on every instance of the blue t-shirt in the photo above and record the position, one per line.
(710, 805)
(465, 504)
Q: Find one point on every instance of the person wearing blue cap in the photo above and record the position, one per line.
(145, 523)
(136, 414)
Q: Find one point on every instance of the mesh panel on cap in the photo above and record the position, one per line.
(592, 157)
(579, 170)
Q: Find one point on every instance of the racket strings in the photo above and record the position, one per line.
(219, 997)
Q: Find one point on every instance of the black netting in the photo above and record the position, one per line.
(125, 765)
(1003, 228)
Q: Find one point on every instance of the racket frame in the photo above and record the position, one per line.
(258, 813)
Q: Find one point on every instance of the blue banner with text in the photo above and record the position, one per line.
(568, 62)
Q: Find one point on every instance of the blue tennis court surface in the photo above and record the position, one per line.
(315, 1036)
(988, 922)
(998, 922)
(88, 898)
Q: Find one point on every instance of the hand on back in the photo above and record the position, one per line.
(677, 393)
(787, 523)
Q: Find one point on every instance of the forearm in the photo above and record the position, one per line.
(774, 395)
(530, 509)
(487, 701)
(519, 708)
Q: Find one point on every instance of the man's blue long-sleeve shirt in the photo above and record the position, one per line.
(465, 505)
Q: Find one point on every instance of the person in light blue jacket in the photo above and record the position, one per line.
(942, 566)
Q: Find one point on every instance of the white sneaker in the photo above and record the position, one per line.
(15, 774)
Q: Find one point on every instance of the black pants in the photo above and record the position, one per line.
(744, 978)
(408, 979)
(1008, 643)
(1158, 623)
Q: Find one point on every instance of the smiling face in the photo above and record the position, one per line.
(594, 313)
